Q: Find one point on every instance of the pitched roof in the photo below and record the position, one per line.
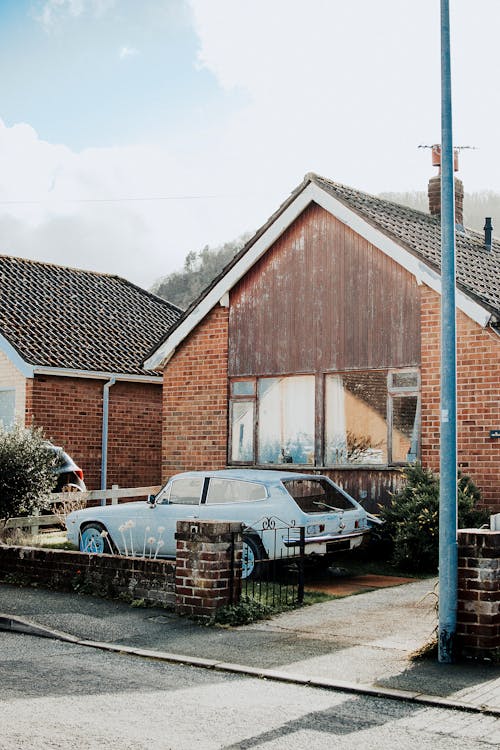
(62, 317)
(417, 233)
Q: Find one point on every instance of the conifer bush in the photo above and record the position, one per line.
(26, 471)
(411, 527)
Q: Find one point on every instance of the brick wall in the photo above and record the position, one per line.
(208, 566)
(478, 613)
(478, 397)
(70, 411)
(195, 399)
(104, 575)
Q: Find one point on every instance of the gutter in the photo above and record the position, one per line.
(95, 374)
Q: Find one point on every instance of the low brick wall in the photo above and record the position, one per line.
(205, 576)
(478, 612)
(104, 575)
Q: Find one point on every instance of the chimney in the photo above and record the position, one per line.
(488, 231)
(434, 190)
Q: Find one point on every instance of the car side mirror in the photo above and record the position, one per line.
(152, 500)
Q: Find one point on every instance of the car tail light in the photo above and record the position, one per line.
(356, 524)
(79, 474)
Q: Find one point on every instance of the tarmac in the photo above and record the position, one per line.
(360, 643)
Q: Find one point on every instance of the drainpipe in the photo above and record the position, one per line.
(104, 450)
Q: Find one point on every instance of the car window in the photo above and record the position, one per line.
(317, 495)
(186, 491)
(234, 491)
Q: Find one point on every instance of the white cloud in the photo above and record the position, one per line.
(53, 11)
(132, 210)
(127, 52)
(351, 89)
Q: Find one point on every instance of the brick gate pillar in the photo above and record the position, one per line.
(208, 566)
(478, 613)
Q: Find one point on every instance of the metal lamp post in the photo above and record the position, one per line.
(448, 555)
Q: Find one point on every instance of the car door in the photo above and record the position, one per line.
(179, 502)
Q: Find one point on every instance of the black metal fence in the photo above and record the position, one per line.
(273, 563)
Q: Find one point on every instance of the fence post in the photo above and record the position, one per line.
(35, 529)
(114, 495)
(300, 589)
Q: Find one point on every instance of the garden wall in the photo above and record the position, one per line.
(104, 575)
(205, 577)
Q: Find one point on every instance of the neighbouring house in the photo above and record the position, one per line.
(318, 347)
(72, 344)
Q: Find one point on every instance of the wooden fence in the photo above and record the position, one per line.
(65, 502)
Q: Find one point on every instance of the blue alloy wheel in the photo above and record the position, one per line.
(91, 540)
(247, 560)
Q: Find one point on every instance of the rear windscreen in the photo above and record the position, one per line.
(317, 495)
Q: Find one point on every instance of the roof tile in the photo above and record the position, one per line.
(63, 317)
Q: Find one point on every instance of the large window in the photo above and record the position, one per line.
(357, 418)
(286, 420)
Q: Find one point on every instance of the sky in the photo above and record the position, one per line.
(135, 131)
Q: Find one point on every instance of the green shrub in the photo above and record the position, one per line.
(26, 471)
(411, 527)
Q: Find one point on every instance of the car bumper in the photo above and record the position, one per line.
(326, 543)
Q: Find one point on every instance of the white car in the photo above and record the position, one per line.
(272, 505)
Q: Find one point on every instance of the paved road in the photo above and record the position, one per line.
(58, 695)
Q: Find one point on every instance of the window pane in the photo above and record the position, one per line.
(404, 379)
(317, 496)
(234, 491)
(186, 491)
(243, 388)
(404, 429)
(286, 420)
(7, 408)
(356, 418)
(242, 414)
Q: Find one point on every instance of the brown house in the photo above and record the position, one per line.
(71, 349)
(318, 347)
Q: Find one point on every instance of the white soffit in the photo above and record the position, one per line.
(312, 193)
(24, 367)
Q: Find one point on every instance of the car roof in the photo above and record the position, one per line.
(268, 476)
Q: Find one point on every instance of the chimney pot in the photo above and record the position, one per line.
(488, 231)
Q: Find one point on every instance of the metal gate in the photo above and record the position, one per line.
(277, 577)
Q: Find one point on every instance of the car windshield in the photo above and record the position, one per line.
(317, 495)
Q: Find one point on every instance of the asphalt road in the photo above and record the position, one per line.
(58, 695)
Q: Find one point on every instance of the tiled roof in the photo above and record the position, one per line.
(477, 270)
(67, 318)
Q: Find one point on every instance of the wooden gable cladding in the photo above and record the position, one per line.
(323, 298)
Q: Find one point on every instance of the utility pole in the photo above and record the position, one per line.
(448, 554)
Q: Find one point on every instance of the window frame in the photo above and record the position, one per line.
(13, 391)
(393, 391)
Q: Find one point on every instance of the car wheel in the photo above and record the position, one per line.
(253, 554)
(94, 539)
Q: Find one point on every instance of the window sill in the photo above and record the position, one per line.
(310, 468)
